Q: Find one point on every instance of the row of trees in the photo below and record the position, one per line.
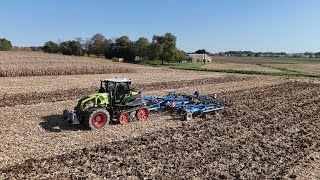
(160, 48)
(5, 45)
(250, 53)
(268, 54)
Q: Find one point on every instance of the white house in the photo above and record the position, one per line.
(198, 58)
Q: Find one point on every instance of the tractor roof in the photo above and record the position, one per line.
(118, 80)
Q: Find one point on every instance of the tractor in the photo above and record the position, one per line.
(115, 102)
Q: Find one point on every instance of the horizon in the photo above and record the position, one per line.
(271, 26)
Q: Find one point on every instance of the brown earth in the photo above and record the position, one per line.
(270, 129)
(29, 139)
(265, 134)
(62, 95)
(14, 85)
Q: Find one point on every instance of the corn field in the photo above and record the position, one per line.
(17, 64)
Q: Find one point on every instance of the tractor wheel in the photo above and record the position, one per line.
(97, 119)
(123, 118)
(188, 116)
(143, 114)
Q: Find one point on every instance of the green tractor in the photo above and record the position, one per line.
(115, 102)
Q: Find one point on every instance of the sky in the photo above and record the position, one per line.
(215, 25)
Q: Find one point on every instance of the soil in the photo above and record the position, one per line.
(73, 93)
(264, 134)
(269, 130)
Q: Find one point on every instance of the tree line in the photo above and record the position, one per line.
(161, 47)
(5, 45)
(267, 54)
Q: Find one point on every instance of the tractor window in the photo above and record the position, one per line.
(110, 87)
(121, 90)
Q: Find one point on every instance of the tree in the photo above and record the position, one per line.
(201, 51)
(98, 45)
(5, 45)
(317, 54)
(51, 47)
(168, 44)
(71, 48)
(122, 48)
(141, 47)
(179, 56)
(221, 54)
(155, 51)
(308, 54)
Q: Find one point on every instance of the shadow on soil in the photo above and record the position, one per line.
(55, 123)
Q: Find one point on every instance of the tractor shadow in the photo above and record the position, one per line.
(55, 123)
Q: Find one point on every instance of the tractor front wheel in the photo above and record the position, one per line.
(97, 119)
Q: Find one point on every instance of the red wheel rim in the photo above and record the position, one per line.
(123, 118)
(143, 114)
(99, 119)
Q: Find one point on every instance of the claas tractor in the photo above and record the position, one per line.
(115, 102)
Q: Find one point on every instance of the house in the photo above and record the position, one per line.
(198, 58)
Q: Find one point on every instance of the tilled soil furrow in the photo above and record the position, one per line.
(245, 142)
(63, 95)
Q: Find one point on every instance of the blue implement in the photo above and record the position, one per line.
(184, 104)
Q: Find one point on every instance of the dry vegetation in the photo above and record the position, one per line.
(15, 64)
(270, 129)
(308, 68)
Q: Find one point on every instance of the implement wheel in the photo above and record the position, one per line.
(143, 114)
(123, 118)
(188, 116)
(97, 119)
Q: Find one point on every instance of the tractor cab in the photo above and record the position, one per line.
(119, 92)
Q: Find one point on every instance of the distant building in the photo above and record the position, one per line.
(198, 58)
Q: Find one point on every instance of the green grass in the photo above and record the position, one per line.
(292, 74)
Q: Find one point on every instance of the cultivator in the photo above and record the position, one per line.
(117, 102)
(185, 106)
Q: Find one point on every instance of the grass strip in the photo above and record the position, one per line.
(291, 74)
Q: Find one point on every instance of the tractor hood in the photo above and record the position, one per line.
(94, 100)
(105, 95)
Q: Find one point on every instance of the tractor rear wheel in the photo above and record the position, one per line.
(97, 119)
(143, 114)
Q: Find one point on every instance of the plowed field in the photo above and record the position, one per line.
(270, 130)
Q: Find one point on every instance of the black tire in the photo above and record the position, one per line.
(97, 119)
(188, 116)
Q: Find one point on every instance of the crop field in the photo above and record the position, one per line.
(269, 130)
(311, 68)
(40, 64)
